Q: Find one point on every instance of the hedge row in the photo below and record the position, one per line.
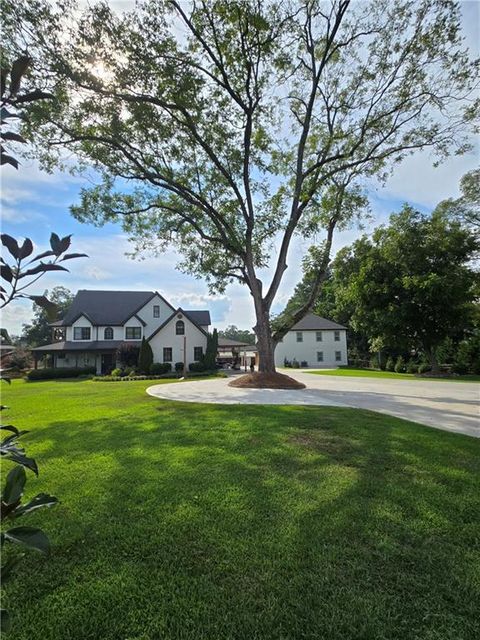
(165, 376)
(63, 372)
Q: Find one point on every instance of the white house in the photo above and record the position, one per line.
(314, 342)
(98, 322)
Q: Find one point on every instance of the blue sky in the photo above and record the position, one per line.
(34, 204)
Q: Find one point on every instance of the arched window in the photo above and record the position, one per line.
(180, 328)
(108, 334)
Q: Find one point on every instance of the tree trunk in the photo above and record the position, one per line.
(265, 344)
(432, 356)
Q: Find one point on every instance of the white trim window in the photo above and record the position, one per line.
(336, 336)
(167, 354)
(299, 336)
(81, 333)
(197, 353)
(180, 328)
(319, 356)
(133, 333)
(156, 310)
(319, 336)
(108, 333)
(338, 356)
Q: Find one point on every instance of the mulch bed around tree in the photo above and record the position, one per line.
(259, 380)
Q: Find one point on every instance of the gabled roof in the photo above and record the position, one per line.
(108, 307)
(312, 322)
(170, 318)
(201, 318)
(228, 342)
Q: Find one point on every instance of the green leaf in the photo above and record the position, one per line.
(50, 308)
(19, 67)
(11, 244)
(5, 621)
(14, 137)
(6, 159)
(70, 256)
(14, 485)
(30, 537)
(42, 500)
(42, 268)
(9, 566)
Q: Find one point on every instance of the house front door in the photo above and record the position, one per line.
(107, 363)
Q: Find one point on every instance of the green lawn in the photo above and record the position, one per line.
(372, 373)
(203, 522)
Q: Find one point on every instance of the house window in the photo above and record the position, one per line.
(167, 354)
(180, 328)
(337, 336)
(133, 333)
(338, 356)
(197, 353)
(319, 336)
(299, 336)
(156, 310)
(81, 333)
(108, 333)
(319, 356)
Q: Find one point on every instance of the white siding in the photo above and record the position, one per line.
(146, 314)
(81, 322)
(168, 338)
(307, 350)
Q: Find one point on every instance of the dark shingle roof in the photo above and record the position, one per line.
(201, 318)
(228, 342)
(95, 345)
(106, 307)
(312, 322)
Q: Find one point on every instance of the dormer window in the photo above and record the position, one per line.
(81, 333)
(108, 333)
(156, 310)
(180, 328)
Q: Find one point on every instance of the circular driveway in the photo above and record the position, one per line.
(452, 406)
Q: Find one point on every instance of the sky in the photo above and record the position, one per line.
(34, 203)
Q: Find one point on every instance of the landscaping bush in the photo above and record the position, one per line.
(116, 372)
(178, 366)
(64, 372)
(287, 363)
(157, 368)
(424, 367)
(295, 364)
(400, 365)
(390, 364)
(412, 367)
(163, 376)
(197, 367)
(145, 357)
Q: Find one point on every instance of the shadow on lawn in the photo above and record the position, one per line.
(283, 522)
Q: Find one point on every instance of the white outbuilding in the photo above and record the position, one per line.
(314, 342)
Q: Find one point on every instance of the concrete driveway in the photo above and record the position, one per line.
(452, 406)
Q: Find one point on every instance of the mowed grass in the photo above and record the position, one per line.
(373, 373)
(204, 522)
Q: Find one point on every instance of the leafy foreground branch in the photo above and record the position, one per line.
(12, 509)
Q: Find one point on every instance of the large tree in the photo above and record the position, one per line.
(39, 331)
(228, 128)
(411, 285)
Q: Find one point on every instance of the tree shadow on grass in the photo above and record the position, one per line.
(248, 522)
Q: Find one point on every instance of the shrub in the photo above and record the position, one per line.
(116, 372)
(178, 367)
(157, 368)
(295, 364)
(390, 364)
(400, 365)
(287, 363)
(127, 354)
(412, 367)
(64, 372)
(197, 367)
(424, 367)
(145, 357)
